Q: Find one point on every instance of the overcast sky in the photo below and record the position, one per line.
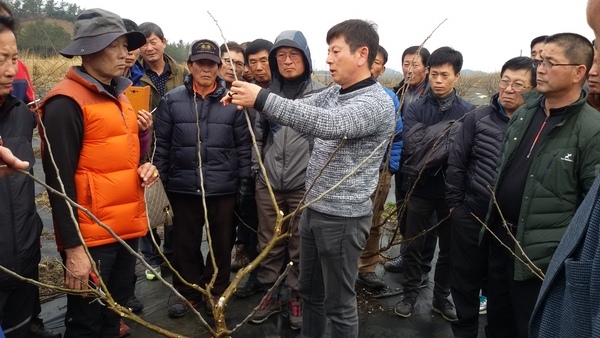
(486, 33)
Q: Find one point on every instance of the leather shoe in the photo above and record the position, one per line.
(134, 304)
(395, 265)
(444, 307)
(405, 307)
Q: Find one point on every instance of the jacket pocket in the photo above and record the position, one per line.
(89, 187)
(577, 292)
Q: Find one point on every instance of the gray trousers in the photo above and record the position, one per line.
(329, 252)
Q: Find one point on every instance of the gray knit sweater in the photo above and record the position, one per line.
(365, 117)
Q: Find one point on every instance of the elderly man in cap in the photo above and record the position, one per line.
(193, 130)
(91, 152)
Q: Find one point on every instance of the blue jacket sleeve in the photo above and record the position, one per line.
(396, 152)
(396, 147)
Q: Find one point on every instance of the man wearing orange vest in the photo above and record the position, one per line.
(91, 138)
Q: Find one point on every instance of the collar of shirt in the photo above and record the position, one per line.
(166, 70)
(212, 90)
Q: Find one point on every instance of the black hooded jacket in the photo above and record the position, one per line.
(20, 224)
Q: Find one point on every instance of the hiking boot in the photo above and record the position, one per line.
(134, 304)
(395, 265)
(249, 288)
(180, 309)
(424, 280)
(295, 313)
(445, 308)
(482, 304)
(405, 307)
(268, 307)
(370, 280)
(240, 258)
(151, 275)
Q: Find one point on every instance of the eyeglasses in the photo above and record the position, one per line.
(293, 55)
(516, 86)
(549, 64)
(228, 61)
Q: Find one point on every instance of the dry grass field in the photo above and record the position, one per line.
(66, 25)
(46, 72)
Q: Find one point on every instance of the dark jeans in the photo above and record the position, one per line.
(431, 238)
(330, 249)
(90, 319)
(418, 217)
(188, 225)
(469, 268)
(136, 247)
(247, 236)
(150, 252)
(510, 302)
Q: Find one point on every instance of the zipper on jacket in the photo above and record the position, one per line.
(11, 223)
(199, 142)
(127, 127)
(283, 157)
(12, 209)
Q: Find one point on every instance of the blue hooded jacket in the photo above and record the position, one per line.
(137, 71)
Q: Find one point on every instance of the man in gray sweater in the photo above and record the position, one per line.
(352, 123)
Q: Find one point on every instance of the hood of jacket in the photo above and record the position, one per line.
(294, 39)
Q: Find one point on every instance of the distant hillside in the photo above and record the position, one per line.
(66, 25)
(390, 74)
(44, 36)
(472, 72)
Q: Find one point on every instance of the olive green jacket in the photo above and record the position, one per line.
(565, 165)
(178, 73)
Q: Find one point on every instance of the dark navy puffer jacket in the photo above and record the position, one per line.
(194, 132)
(473, 158)
(430, 110)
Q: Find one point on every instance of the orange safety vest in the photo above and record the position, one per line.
(106, 179)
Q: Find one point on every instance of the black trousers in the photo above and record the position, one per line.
(418, 218)
(91, 319)
(510, 302)
(430, 239)
(469, 270)
(187, 238)
(247, 232)
(17, 301)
